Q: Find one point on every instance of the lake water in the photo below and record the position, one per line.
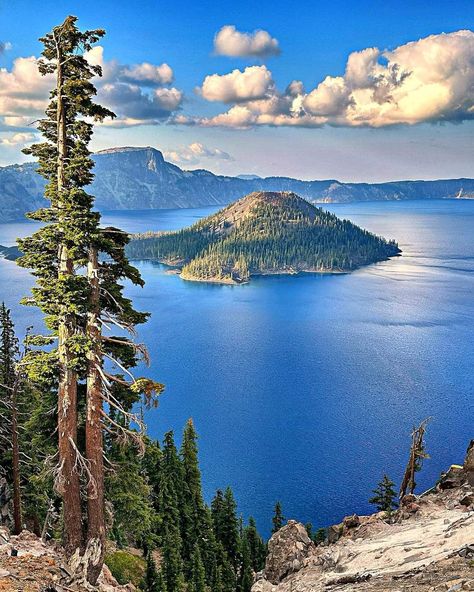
(305, 389)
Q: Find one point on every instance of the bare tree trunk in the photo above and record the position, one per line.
(95, 546)
(417, 454)
(67, 393)
(16, 459)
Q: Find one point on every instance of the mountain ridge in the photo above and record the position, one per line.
(131, 177)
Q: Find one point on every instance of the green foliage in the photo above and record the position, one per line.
(126, 568)
(320, 536)
(282, 234)
(385, 496)
(278, 518)
(256, 547)
(198, 573)
(8, 357)
(130, 495)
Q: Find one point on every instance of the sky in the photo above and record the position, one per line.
(350, 90)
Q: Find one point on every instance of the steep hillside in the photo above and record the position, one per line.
(140, 178)
(264, 233)
(426, 546)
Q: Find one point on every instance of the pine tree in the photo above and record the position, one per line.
(8, 355)
(10, 385)
(385, 496)
(172, 561)
(255, 544)
(57, 249)
(150, 581)
(246, 573)
(76, 304)
(230, 531)
(278, 518)
(198, 573)
(193, 513)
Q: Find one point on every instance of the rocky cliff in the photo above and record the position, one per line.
(427, 546)
(140, 178)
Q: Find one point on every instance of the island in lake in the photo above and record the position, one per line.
(261, 234)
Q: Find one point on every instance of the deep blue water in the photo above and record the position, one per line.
(305, 389)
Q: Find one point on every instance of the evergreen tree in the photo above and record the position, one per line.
(172, 561)
(278, 518)
(10, 385)
(8, 355)
(385, 496)
(230, 528)
(193, 512)
(60, 247)
(198, 573)
(170, 488)
(150, 581)
(245, 572)
(76, 304)
(255, 544)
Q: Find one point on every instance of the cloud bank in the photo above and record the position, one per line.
(429, 80)
(139, 93)
(194, 153)
(233, 43)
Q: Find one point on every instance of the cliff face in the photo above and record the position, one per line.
(140, 178)
(428, 546)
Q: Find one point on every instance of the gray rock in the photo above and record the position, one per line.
(287, 550)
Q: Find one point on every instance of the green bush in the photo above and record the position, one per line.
(125, 567)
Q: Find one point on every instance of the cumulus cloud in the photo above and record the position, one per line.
(231, 42)
(19, 138)
(429, 80)
(255, 82)
(194, 153)
(138, 93)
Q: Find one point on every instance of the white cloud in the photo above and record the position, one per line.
(194, 153)
(255, 82)
(139, 93)
(231, 42)
(429, 80)
(19, 138)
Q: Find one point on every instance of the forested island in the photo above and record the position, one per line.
(264, 233)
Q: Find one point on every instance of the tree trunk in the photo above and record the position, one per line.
(67, 393)
(95, 545)
(16, 459)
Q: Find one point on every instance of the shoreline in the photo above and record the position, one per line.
(174, 269)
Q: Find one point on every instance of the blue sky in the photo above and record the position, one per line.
(315, 39)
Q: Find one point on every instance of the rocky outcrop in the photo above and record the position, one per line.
(426, 546)
(27, 564)
(288, 550)
(139, 178)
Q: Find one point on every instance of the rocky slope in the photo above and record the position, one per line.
(428, 546)
(140, 178)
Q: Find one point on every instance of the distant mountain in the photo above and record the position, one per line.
(264, 233)
(140, 178)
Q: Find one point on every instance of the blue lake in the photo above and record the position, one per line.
(305, 389)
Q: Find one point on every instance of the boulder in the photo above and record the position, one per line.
(469, 463)
(335, 532)
(287, 551)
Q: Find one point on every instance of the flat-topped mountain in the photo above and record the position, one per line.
(264, 233)
(134, 178)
